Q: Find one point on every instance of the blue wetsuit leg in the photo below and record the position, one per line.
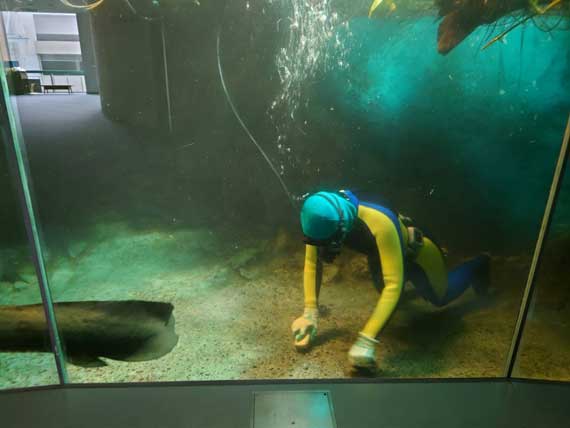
(474, 272)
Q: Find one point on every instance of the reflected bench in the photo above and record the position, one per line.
(57, 87)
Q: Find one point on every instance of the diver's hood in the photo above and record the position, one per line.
(324, 214)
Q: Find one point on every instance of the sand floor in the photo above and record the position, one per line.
(234, 302)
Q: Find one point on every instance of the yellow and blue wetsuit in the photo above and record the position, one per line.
(380, 233)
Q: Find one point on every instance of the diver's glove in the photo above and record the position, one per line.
(304, 328)
(363, 352)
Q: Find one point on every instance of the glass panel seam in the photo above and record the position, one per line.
(546, 220)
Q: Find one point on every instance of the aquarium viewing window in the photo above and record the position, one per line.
(278, 190)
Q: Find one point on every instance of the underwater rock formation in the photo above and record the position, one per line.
(127, 330)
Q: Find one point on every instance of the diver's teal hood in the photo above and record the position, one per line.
(321, 215)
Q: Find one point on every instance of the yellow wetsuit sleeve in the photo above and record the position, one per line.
(310, 277)
(431, 261)
(392, 262)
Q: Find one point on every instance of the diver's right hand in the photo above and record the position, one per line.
(304, 328)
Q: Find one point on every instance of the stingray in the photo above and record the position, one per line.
(130, 330)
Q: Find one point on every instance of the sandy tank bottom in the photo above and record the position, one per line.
(234, 303)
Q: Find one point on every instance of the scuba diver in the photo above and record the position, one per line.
(397, 253)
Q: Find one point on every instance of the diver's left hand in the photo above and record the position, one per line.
(363, 352)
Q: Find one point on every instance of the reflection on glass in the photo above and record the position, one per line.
(165, 183)
(545, 350)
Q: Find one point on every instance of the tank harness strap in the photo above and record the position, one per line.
(415, 237)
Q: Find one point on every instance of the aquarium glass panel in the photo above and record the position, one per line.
(178, 195)
(545, 349)
(25, 348)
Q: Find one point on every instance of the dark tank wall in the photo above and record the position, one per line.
(464, 143)
(130, 56)
(159, 77)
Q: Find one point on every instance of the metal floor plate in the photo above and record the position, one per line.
(292, 409)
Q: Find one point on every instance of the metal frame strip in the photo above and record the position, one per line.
(544, 228)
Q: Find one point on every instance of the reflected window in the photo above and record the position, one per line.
(60, 62)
